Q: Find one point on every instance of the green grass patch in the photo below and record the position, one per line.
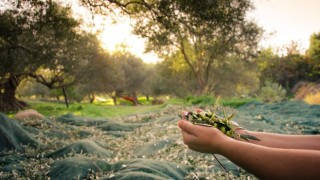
(211, 100)
(101, 109)
(106, 109)
(176, 101)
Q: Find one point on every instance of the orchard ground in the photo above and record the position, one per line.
(127, 142)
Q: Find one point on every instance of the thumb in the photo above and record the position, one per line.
(187, 126)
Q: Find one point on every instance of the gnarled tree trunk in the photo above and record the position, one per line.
(8, 101)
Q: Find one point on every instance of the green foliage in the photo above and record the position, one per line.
(30, 88)
(117, 75)
(201, 100)
(196, 36)
(211, 100)
(233, 77)
(176, 101)
(272, 92)
(174, 77)
(236, 102)
(285, 70)
(314, 47)
(313, 55)
(229, 77)
(41, 39)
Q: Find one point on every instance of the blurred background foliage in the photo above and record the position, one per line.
(46, 54)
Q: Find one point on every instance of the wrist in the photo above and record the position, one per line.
(223, 145)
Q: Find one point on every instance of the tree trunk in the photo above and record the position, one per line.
(8, 101)
(201, 88)
(135, 99)
(92, 97)
(65, 97)
(114, 98)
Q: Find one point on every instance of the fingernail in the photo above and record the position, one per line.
(180, 123)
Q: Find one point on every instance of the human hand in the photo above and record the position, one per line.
(225, 125)
(202, 139)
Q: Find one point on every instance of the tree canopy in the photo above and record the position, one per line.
(40, 39)
(204, 32)
(207, 47)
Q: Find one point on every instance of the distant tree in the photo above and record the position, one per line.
(100, 77)
(133, 70)
(203, 37)
(175, 77)
(117, 75)
(314, 47)
(286, 70)
(231, 77)
(158, 82)
(29, 87)
(150, 73)
(313, 56)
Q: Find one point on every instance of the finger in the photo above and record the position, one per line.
(184, 115)
(188, 138)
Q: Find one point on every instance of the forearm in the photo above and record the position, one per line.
(272, 163)
(311, 142)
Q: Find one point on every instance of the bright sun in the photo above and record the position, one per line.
(116, 37)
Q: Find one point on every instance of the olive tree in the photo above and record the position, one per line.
(39, 39)
(203, 32)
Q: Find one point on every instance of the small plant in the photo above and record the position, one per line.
(203, 100)
(272, 92)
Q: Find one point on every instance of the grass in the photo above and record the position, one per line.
(108, 110)
(211, 100)
(237, 102)
(90, 110)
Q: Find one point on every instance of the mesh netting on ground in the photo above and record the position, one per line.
(141, 146)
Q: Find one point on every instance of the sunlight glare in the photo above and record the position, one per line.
(116, 37)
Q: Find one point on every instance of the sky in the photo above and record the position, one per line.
(288, 20)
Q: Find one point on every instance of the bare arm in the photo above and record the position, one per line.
(273, 163)
(264, 162)
(311, 142)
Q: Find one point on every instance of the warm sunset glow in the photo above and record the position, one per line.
(115, 34)
(288, 20)
(117, 37)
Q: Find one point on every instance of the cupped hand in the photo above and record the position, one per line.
(202, 139)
